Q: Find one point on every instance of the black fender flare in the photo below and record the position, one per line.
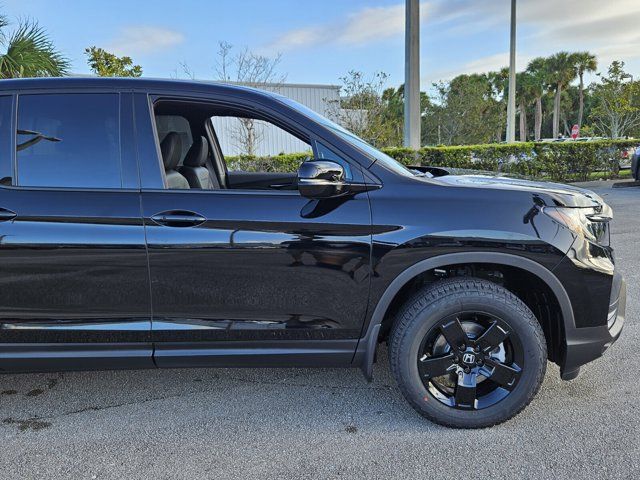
(367, 344)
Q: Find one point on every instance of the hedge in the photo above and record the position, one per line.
(559, 161)
(278, 163)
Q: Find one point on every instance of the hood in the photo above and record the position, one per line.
(553, 194)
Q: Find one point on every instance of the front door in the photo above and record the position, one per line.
(252, 272)
(74, 287)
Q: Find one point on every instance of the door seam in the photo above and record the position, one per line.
(146, 249)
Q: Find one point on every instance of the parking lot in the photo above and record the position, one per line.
(216, 423)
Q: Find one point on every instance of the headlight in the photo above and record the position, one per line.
(592, 223)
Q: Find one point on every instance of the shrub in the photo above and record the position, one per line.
(278, 163)
(559, 161)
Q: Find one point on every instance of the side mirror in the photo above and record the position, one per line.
(321, 179)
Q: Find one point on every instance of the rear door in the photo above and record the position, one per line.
(74, 286)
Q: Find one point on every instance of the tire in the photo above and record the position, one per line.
(507, 375)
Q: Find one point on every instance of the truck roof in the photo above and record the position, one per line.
(146, 84)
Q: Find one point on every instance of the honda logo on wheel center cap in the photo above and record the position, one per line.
(469, 358)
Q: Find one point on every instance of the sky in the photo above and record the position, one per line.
(320, 41)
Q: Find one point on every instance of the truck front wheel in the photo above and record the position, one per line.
(467, 353)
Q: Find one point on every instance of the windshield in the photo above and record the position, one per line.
(349, 137)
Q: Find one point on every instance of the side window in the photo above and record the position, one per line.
(325, 153)
(258, 146)
(247, 149)
(68, 140)
(6, 163)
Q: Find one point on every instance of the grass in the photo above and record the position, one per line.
(622, 174)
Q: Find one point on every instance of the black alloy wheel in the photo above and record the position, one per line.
(471, 360)
(467, 353)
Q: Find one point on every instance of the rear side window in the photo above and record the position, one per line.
(69, 140)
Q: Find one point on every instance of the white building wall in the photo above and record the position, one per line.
(273, 140)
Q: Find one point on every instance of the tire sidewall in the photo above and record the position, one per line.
(428, 317)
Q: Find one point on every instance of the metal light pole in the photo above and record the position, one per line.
(412, 75)
(511, 105)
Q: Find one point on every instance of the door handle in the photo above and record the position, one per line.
(6, 214)
(178, 219)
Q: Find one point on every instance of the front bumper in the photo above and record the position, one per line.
(586, 344)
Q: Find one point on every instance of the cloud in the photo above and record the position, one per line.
(544, 27)
(563, 19)
(365, 26)
(608, 29)
(617, 51)
(548, 26)
(143, 40)
(587, 22)
(610, 32)
(490, 63)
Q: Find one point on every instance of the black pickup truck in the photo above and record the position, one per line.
(128, 241)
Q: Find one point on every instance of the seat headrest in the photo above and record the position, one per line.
(171, 150)
(198, 153)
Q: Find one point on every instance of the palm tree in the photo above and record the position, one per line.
(585, 62)
(527, 89)
(498, 84)
(561, 70)
(537, 70)
(28, 52)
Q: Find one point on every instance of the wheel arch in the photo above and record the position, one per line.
(365, 352)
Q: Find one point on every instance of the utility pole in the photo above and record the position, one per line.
(511, 105)
(412, 75)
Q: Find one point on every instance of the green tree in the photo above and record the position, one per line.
(585, 62)
(526, 92)
(363, 109)
(616, 110)
(105, 64)
(499, 85)
(537, 74)
(393, 115)
(561, 70)
(569, 106)
(499, 82)
(29, 52)
(467, 111)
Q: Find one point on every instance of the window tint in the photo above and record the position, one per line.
(325, 153)
(349, 137)
(253, 145)
(6, 156)
(69, 140)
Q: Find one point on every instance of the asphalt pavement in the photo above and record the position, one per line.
(329, 423)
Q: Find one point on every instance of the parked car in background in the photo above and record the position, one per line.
(626, 158)
(559, 139)
(127, 242)
(635, 164)
(589, 139)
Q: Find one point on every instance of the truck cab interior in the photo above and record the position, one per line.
(192, 154)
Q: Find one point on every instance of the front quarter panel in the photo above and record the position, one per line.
(414, 220)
